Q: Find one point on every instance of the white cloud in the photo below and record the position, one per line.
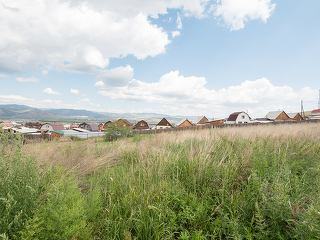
(2, 76)
(189, 96)
(14, 99)
(175, 33)
(31, 79)
(85, 100)
(50, 91)
(179, 22)
(74, 91)
(236, 13)
(116, 77)
(96, 105)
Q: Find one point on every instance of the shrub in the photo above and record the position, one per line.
(114, 132)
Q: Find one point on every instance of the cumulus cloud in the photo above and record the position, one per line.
(235, 13)
(189, 94)
(117, 77)
(50, 91)
(85, 100)
(74, 91)
(31, 79)
(175, 33)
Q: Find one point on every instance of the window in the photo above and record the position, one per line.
(242, 116)
(142, 124)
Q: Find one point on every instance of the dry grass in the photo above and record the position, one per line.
(91, 154)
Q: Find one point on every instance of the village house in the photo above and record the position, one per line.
(163, 124)
(200, 120)
(92, 127)
(123, 123)
(238, 117)
(141, 125)
(184, 123)
(33, 124)
(216, 122)
(315, 114)
(295, 116)
(52, 127)
(278, 116)
(105, 126)
(6, 125)
(100, 127)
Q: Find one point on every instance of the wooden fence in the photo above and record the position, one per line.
(29, 138)
(209, 126)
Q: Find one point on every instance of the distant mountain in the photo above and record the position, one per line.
(72, 113)
(20, 113)
(15, 106)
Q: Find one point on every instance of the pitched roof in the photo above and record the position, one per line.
(94, 126)
(315, 111)
(6, 124)
(182, 121)
(233, 116)
(198, 119)
(56, 126)
(292, 115)
(164, 122)
(274, 114)
(126, 121)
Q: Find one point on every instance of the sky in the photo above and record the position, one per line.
(173, 57)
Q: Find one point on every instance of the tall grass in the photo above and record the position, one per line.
(259, 182)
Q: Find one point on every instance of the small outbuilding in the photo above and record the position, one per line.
(141, 125)
(92, 127)
(163, 124)
(238, 117)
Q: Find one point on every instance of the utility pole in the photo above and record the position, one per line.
(319, 101)
(302, 110)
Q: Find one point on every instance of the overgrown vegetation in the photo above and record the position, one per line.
(114, 132)
(212, 184)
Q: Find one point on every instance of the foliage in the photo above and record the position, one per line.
(114, 132)
(20, 184)
(188, 188)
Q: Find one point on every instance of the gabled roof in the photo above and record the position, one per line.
(292, 115)
(164, 122)
(274, 114)
(147, 124)
(182, 121)
(126, 121)
(233, 116)
(198, 119)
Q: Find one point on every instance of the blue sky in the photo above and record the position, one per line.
(182, 57)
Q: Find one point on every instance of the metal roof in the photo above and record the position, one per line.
(273, 115)
(233, 116)
(292, 115)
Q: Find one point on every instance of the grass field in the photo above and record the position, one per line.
(259, 182)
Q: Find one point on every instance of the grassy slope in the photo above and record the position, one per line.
(257, 182)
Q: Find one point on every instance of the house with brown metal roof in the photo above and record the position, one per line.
(106, 124)
(92, 127)
(184, 123)
(123, 123)
(52, 127)
(142, 124)
(163, 124)
(238, 117)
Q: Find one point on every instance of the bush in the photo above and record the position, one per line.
(114, 132)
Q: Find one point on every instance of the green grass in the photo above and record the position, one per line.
(215, 187)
